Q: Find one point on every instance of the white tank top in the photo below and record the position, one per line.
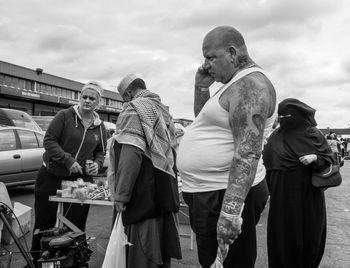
(206, 150)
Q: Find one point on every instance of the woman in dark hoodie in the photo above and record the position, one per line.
(296, 230)
(76, 134)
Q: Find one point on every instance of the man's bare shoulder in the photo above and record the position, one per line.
(254, 88)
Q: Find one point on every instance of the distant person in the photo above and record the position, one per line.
(145, 183)
(334, 143)
(219, 157)
(296, 231)
(75, 134)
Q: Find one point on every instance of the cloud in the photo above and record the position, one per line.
(303, 45)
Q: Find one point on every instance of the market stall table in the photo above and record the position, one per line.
(61, 200)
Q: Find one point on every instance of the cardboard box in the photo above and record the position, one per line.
(23, 214)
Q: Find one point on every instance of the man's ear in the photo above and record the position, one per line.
(232, 51)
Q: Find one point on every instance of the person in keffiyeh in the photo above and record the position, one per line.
(142, 176)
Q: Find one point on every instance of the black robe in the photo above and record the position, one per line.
(296, 231)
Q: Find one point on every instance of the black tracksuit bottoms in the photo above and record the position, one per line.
(204, 210)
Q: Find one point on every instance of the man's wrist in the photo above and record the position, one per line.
(228, 216)
(231, 218)
(234, 206)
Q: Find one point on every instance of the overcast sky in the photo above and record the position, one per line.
(303, 44)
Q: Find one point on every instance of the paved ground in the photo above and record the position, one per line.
(337, 253)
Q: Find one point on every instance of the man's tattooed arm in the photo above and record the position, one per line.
(248, 115)
(250, 104)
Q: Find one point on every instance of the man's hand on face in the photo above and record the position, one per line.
(228, 229)
(203, 78)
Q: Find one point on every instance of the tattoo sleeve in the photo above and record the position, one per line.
(248, 112)
(200, 98)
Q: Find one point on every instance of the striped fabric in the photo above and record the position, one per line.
(146, 123)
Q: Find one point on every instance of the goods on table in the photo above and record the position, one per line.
(85, 190)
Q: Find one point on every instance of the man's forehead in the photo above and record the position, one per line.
(211, 41)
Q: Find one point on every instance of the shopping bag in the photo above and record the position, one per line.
(115, 254)
(220, 257)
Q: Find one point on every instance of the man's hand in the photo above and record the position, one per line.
(308, 159)
(76, 168)
(119, 206)
(203, 78)
(228, 229)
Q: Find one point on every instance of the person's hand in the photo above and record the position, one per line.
(76, 168)
(119, 206)
(93, 168)
(203, 78)
(308, 159)
(222, 251)
(228, 229)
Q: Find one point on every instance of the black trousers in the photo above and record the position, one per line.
(45, 213)
(204, 210)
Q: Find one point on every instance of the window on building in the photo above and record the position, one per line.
(76, 95)
(15, 82)
(48, 90)
(72, 94)
(2, 79)
(8, 81)
(29, 85)
(64, 93)
(58, 91)
(21, 83)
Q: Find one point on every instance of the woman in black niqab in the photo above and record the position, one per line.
(296, 232)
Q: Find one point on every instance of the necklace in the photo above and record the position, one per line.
(87, 122)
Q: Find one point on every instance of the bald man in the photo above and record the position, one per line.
(219, 158)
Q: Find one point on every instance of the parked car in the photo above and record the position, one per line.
(21, 152)
(18, 118)
(43, 121)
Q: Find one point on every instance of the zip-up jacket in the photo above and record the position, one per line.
(66, 141)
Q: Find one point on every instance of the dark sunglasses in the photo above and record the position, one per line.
(90, 98)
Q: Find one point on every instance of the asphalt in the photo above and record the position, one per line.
(337, 252)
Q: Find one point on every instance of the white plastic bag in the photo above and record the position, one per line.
(220, 257)
(115, 254)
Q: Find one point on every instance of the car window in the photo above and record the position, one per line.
(7, 140)
(40, 139)
(28, 139)
(21, 119)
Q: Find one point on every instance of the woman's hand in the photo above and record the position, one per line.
(93, 168)
(308, 159)
(76, 168)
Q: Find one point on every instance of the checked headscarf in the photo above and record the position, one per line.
(146, 123)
